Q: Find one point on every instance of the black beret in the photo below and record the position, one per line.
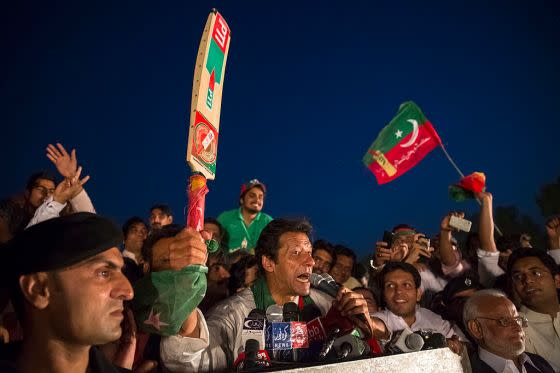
(59, 243)
(458, 284)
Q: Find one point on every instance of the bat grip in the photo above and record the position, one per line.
(197, 196)
(195, 213)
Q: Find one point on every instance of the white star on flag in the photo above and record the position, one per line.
(154, 320)
(398, 134)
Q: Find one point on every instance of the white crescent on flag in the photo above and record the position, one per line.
(414, 133)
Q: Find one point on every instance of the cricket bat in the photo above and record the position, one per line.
(206, 104)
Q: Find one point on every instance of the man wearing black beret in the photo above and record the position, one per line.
(68, 290)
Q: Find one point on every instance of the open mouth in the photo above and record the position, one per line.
(531, 291)
(400, 301)
(304, 277)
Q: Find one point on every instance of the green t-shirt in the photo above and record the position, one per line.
(239, 235)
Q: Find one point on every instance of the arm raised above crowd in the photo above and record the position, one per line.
(553, 233)
(488, 254)
(64, 191)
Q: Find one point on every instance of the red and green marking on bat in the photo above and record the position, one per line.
(401, 144)
(216, 55)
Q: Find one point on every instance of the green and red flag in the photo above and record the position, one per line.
(401, 144)
(468, 186)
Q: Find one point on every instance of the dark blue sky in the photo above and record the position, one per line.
(308, 87)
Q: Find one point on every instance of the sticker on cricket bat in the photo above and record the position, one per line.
(204, 144)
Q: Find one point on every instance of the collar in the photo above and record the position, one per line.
(263, 298)
(240, 216)
(536, 316)
(498, 363)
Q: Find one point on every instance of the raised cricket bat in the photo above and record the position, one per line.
(206, 104)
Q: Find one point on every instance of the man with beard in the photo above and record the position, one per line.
(400, 287)
(535, 281)
(160, 216)
(244, 224)
(492, 320)
(285, 263)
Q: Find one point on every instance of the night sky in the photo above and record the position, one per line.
(308, 87)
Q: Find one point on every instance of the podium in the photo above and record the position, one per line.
(441, 360)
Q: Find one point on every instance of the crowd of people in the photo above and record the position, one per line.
(81, 294)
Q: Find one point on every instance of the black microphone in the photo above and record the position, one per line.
(310, 312)
(432, 340)
(328, 285)
(251, 354)
(257, 314)
(329, 343)
(350, 346)
(290, 312)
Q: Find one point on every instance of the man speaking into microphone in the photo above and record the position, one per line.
(283, 254)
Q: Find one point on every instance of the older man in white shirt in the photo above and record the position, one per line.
(492, 320)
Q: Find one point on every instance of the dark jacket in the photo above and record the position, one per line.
(98, 363)
(479, 366)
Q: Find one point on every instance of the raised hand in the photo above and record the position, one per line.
(186, 248)
(444, 226)
(382, 253)
(65, 163)
(553, 233)
(69, 187)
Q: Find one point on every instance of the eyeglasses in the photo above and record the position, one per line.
(535, 273)
(505, 321)
(43, 190)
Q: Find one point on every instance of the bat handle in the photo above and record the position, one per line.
(195, 213)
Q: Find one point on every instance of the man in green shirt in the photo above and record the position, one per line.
(244, 225)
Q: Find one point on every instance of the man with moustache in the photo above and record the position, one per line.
(493, 322)
(67, 287)
(535, 280)
(283, 253)
(244, 224)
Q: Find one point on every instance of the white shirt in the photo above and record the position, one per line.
(555, 254)
(51, 209)
(542, 336)
(488, 268)
(425, 319)
(501, 365)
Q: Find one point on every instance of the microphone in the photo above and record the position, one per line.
(328, 285)
(329, 343)
(254, 328)
(310, 312)
(349, 346)
(273, 315)
(252, 358)
(405, 341)
(290, 312)
(251, 354)
(432, 340)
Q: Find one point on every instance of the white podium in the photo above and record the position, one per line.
(441, 360)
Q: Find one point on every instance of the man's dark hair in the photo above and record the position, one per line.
(127, 226)
(543, 256)
(267, 245)
(346, 251)
(326, 246)
(32, 181)
(170, 230)
(217, 224)
(403, 266)
(237, 273)
(165, 209)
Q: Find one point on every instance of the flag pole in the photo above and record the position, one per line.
(463, 175)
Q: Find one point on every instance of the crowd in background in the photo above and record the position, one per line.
(478, 294)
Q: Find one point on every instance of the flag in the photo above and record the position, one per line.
(401, 144)
(468, 186)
